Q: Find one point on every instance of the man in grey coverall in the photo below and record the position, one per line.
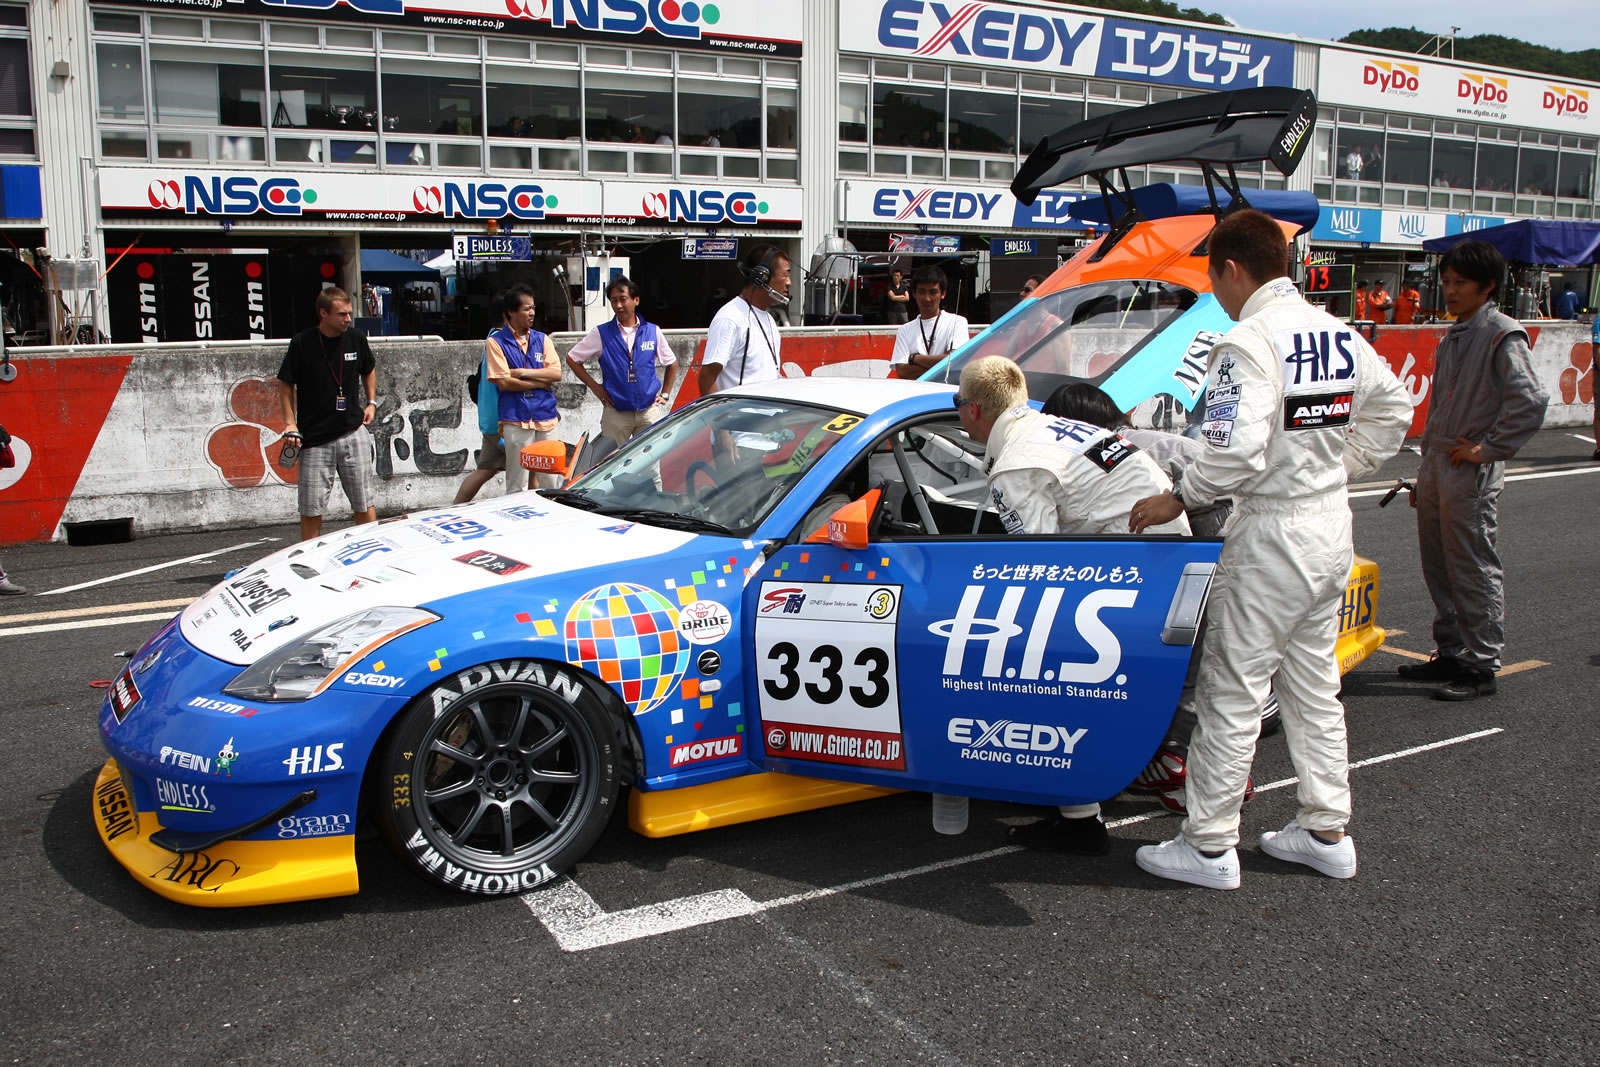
(1485, 405)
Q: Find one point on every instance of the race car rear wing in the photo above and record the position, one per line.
(1216, 130)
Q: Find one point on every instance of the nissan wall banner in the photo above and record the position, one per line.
(1052, 40)
(1451, 91)
(733, 27)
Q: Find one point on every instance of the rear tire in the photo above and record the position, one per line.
(499, 778)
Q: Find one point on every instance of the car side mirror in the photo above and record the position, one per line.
(851, 525)
(545, 457)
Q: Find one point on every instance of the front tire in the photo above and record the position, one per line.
(498, 779)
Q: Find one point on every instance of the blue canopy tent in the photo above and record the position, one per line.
(380, 267)
(394, 268)
(1534, 241)
(1164, 200)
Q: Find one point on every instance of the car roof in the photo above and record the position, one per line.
(862, 396)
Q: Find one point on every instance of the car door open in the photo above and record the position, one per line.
(1042, 670)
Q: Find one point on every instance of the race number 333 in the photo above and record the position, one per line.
(825, 663)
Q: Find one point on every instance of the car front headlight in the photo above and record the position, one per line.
(302, 669)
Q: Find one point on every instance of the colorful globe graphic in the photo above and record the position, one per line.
(628, 636)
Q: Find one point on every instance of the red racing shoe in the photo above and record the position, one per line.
(1163, 774)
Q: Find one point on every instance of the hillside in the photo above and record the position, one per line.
(1490, 48)
(1158, 8)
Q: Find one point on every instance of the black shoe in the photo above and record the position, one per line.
(1470, 684)
(1597, 453)
(1082, 837)
(1437, 669)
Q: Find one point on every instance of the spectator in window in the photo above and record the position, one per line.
(517, 127)
(712, 140)
(638, 135)
(1439, 180)
(1352, 163)
(925, 139)
(1372, 164)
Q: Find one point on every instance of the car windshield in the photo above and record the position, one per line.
(1087, 331)
(720, 465)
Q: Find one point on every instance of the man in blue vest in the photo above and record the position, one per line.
(523, 365)
(634, 388)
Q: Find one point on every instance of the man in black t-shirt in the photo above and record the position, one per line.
(318, 388)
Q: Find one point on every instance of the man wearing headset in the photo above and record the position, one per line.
(743, 343)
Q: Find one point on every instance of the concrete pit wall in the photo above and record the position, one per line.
(179, 437)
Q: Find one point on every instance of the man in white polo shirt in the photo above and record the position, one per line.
(637, 367)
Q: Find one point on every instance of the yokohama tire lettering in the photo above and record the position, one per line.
(472, 881)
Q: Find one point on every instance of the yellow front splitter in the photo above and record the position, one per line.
(665, 812)
(229, 875)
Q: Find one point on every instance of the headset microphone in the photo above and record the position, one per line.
(759, 274)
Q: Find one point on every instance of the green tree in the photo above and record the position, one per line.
(1158, 8)
(1490, 49)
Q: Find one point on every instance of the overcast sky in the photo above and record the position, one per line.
(1571, 25)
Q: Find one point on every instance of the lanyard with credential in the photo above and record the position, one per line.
(927, 338)
(633, 351)
(338, 379)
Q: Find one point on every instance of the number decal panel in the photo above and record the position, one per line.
(825, 672)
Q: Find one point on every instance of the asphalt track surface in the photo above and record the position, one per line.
(857, 935)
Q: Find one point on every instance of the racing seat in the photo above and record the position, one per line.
(953, 516)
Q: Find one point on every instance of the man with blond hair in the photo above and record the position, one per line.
(1051, 475)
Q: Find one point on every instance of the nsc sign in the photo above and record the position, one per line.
(702, 205)
(335, 197)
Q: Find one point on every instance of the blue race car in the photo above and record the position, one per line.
(782, 597)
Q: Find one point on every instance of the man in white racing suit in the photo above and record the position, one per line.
(1298, 403)
(1052, 475)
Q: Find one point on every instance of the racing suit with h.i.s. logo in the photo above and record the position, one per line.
(1298, 403)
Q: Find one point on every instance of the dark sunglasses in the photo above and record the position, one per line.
(959, 400)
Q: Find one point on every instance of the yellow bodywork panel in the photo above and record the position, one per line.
(228, 875)
(1359, 633)
(666, 812)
